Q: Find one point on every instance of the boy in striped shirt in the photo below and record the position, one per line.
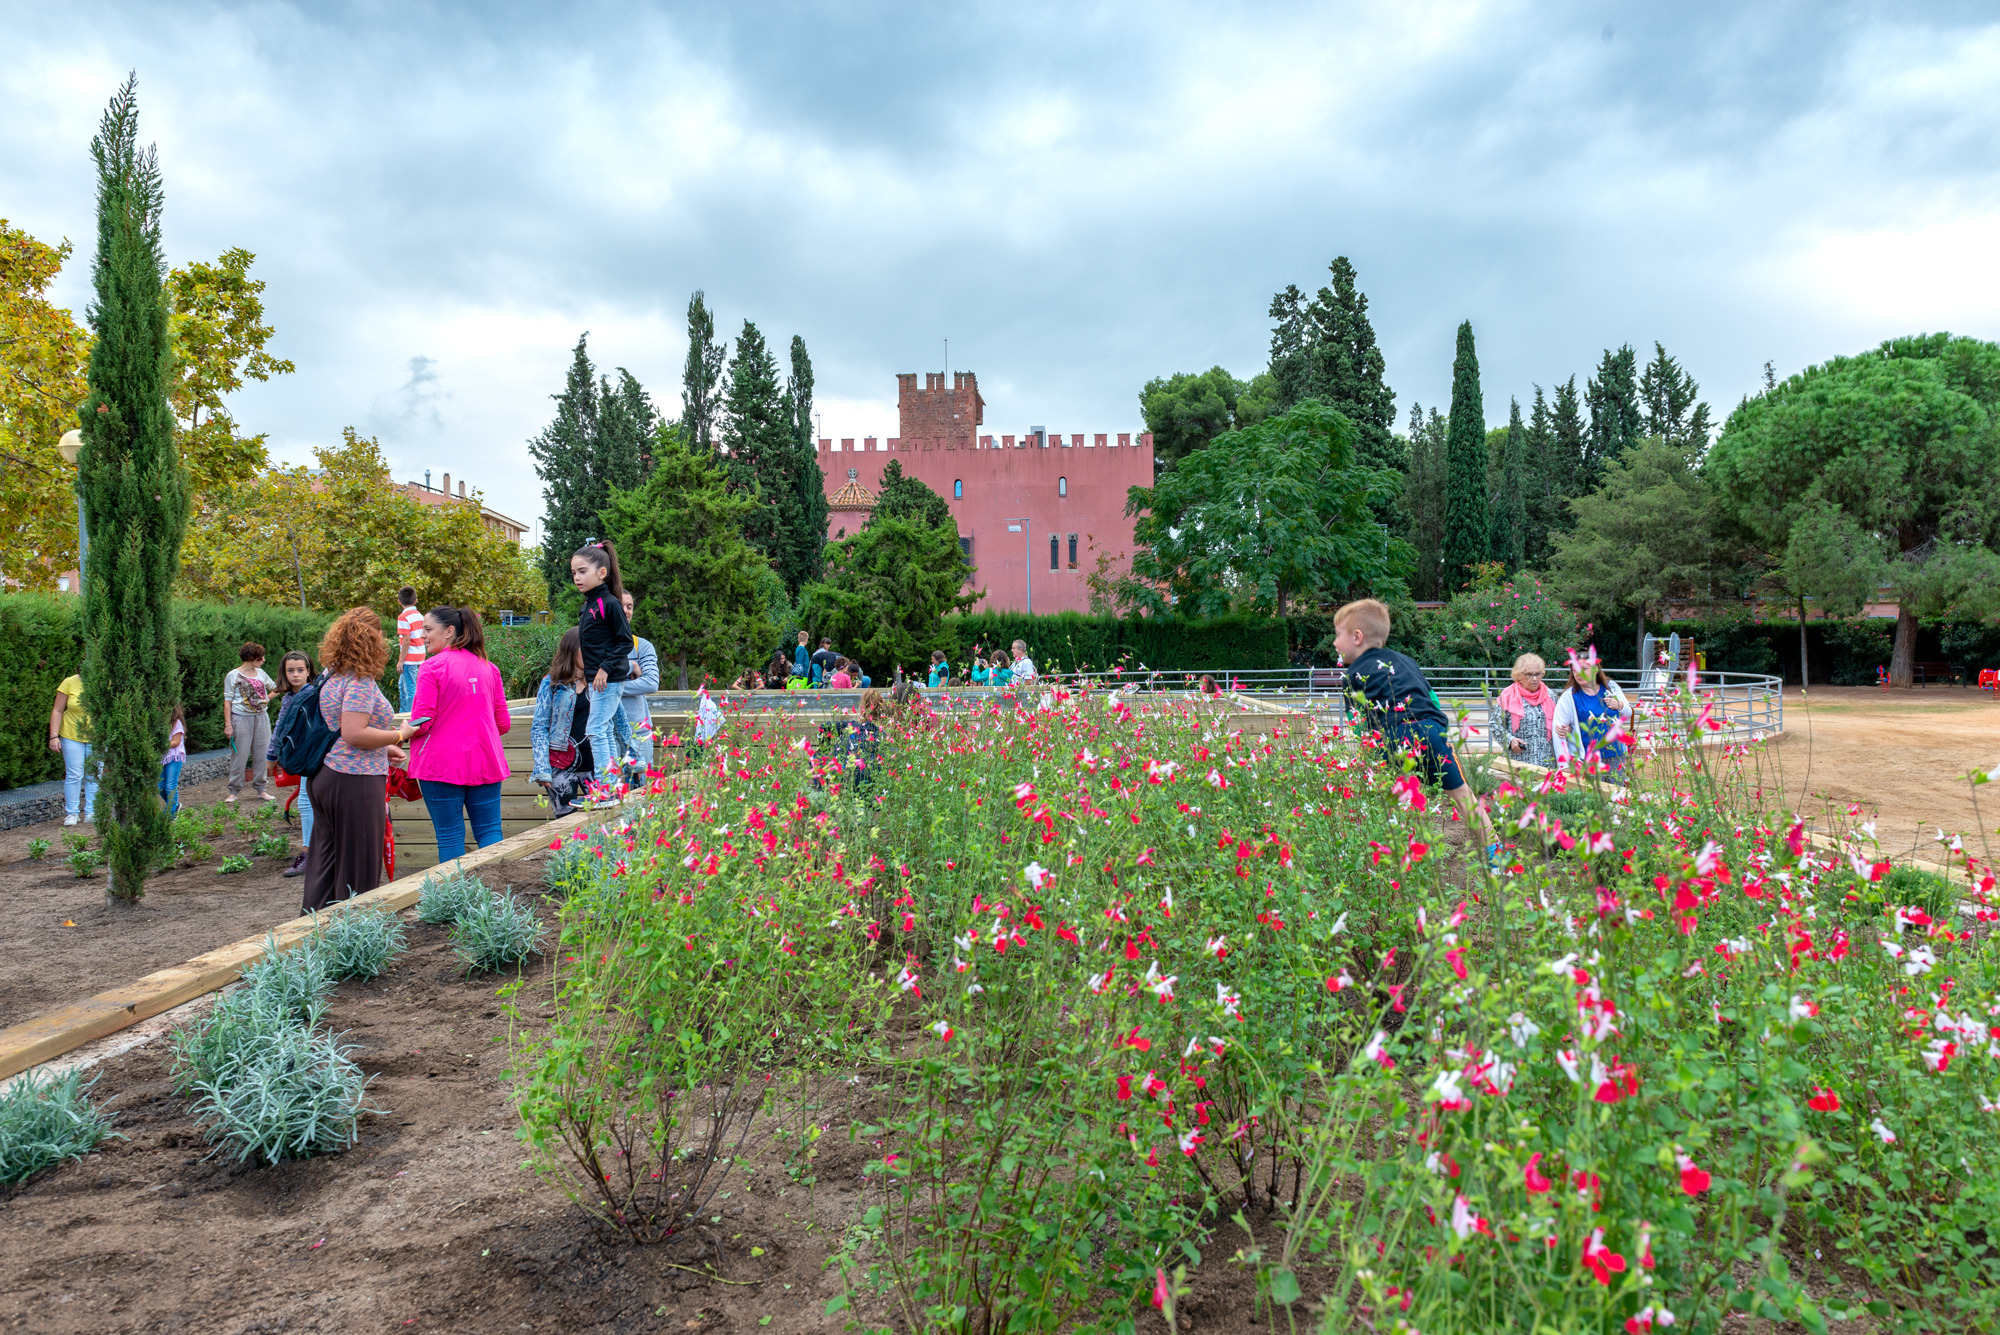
(410, 635)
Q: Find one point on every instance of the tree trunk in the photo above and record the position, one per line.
(1804, 679)
(1639, 645)
(684, 669)
(1903, 661)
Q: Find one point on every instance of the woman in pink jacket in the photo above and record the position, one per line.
(460, 712)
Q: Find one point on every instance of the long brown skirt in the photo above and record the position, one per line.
(350, 815)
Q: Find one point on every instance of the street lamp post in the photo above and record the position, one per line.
(70, 447)
(1020, 526)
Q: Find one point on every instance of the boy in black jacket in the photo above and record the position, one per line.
(1398, 704)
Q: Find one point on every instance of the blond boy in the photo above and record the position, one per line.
(1398, 704)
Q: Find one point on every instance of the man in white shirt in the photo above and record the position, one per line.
(1024, 666)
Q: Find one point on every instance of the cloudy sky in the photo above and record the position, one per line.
(1079, 198)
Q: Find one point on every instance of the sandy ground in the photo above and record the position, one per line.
(1904, 755)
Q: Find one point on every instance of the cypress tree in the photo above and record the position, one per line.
(1466, 522)
(1615, 422)
(135, 497)
(1510, 517)
(760, 439)
(811, 481)
(563, 455)
(1423, 499)
(1672, 402)
(699, 376)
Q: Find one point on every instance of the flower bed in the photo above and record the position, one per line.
(1112, 979)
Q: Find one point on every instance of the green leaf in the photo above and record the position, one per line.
(1284, 1287)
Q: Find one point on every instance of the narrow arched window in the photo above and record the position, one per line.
(958, 489)
(1055, 553)
(1062, 486)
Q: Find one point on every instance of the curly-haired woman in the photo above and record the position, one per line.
(350, 792)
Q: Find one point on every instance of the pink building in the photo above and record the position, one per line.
(1036, 513)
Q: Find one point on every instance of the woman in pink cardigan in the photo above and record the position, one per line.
(456, 754)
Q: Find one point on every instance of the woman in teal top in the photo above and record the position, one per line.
(980, 676)
(1003, 673)
(940, 670)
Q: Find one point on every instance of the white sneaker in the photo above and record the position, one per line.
(69, 820)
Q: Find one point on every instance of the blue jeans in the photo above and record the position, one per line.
(636, 743)
(451, 804)
(607, 712)
(79, 780)
(409, 685)
(305, 816)
(170, 785)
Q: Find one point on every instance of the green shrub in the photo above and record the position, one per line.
(45, 1121)
(359, 943)
(444, 897)
(292, 983)
(1493, 627)
(271, 844)
(292, 1094)
(76, 841)
(209, 1051)
(495, 933)
(38, 849)
(85, 861)
(522, 654)
(232, 864)
(1073, 642)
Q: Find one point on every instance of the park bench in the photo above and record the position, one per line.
(1926, 673)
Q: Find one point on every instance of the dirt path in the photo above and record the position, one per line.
(1904, 755)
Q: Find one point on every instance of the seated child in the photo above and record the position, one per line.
(1399, 704)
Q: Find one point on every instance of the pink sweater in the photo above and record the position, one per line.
(466, 702)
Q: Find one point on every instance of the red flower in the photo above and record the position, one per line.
(1824, 1101)
(1694, 1181)
(1536, 1182)
(1602, 1261)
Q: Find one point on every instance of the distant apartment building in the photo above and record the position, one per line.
(423, 493)
(1035, 512)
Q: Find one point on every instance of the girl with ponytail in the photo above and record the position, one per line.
(606, 639)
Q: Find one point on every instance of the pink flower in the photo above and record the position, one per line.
(1648, 1316)
(1694, 1181)
(1537, 1183)
(1162, 1295)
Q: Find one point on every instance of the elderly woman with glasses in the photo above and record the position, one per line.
(1524, 716)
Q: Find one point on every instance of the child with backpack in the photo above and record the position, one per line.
(297, 670)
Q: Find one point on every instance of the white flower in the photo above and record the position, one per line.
(1888, 1136)
(1038, 875)
(1521, 1029)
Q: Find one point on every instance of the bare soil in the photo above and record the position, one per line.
(62, 941)
(1901, 755)
(430, 1223)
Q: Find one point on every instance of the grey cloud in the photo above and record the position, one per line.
(1079, 197)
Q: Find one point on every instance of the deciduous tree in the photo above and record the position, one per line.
(219, 338)
(1278, 511)
(136, 502)
(1644, 537)
(43, 354)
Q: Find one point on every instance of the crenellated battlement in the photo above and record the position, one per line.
(1044, 440)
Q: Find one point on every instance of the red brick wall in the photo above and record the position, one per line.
(1011, 481)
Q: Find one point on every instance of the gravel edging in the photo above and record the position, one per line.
(38, 802)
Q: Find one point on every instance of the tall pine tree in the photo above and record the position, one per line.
(1466, 521)
(1423, 500)
(700, 376)
(564, 455)
(811, 481)
(1325, 349)
(760, 442)
(1615, 419)
(1544, 506)
(1566, 472)
(135, 498)
(1510, 501)
(625, 421)
(1672, 403)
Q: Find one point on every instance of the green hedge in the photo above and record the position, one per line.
(522, 654)
(1071, 641)
(41, 642)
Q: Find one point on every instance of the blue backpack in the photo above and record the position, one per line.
(302, 743)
